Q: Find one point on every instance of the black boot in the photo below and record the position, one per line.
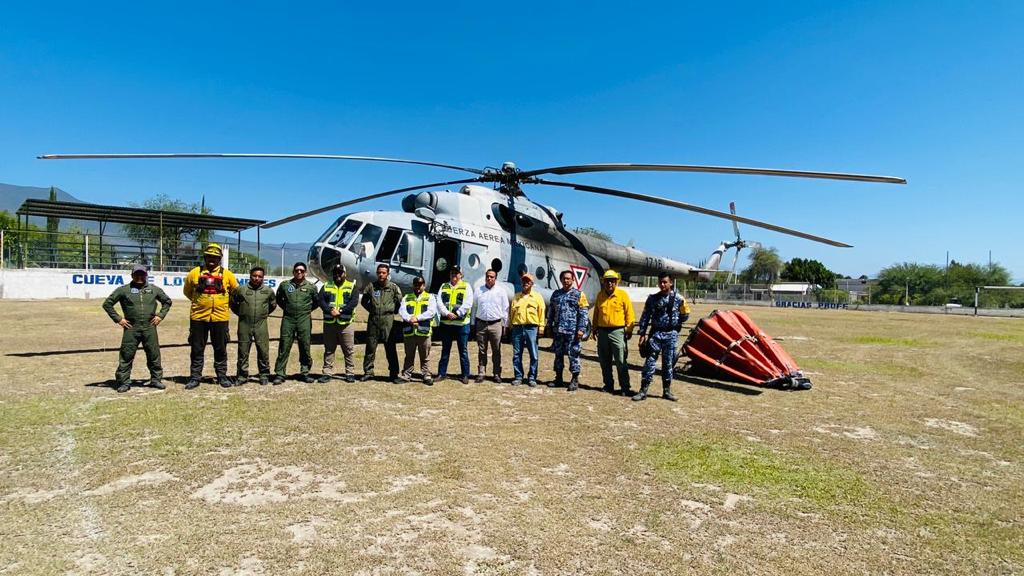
(642, 394)
(557, 382)
(667, 394)
(574, 384)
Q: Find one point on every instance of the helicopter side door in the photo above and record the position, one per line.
(446, 253)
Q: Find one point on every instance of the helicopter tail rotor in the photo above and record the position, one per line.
(739, 244)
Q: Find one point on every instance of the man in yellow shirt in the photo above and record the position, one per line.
(613, 322)
(526, 314)
(209, 287)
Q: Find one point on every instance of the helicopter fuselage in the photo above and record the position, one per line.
(478, 229)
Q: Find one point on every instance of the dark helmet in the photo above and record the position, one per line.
(338, 269)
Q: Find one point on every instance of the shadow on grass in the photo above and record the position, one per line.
(719, 385)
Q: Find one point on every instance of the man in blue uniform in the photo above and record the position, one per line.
(567, 317)
(664, 314)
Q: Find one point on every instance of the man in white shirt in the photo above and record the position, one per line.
(491, 320)
(417, 311)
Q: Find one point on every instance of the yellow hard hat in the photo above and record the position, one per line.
(611, 275)
(213, 250)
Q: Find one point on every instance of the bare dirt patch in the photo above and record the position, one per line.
(905, 458)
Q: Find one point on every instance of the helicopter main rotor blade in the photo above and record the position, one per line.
(342, 204)
(735, 226)
(694, 208)
(625, 167)
(215, 155)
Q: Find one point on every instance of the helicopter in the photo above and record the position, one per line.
(488, 222)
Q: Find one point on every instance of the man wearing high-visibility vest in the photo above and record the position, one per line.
(338, 330)
(209, 287)
(614, 319)
(418, 311)
(454, 304)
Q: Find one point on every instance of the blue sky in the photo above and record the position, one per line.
(930, 91)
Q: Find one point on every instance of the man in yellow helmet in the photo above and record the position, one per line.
(613, 322)
(209, 287)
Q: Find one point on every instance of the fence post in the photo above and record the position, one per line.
(86, 251)
(3, 246)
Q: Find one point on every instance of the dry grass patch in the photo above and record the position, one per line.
(905, 458)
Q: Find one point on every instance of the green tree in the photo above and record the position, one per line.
(177, 241)
(809, 271)
(52, 228)
(589, 231)
(907, 283)
(765, 266)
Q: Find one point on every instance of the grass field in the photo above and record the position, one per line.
(905, 458)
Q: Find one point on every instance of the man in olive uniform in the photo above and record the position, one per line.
(382, 300)
(253, 303)
(209, 287)
(139, 321)
(297, 298)
(338, 330)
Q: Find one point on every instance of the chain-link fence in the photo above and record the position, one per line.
(89, 250)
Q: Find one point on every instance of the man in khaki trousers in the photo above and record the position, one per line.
(490, 314)
(418, 310)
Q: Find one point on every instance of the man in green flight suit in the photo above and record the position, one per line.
(382, 300)
(297, 298)
(253, 303)
(138, 301)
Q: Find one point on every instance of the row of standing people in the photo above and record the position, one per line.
(213, 291)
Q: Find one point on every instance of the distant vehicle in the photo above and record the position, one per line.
(954, 303)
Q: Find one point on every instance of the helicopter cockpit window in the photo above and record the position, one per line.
(342, 236)
(369, 233)
(327, 233)
(410, 250)
(388, 245)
